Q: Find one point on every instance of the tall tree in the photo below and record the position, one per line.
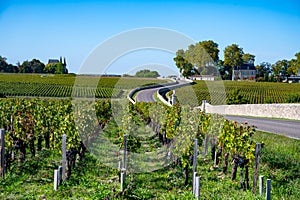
(55, 68)
(185, 68)
(263, 71)
(25, 67)
(294, 65)
(211, 48)
(203, 55)
(233, 57)
(3, 64)
(297, 59)
(280, 69)
(147, 73)
(37, 66)
(248, 58)
(33, 66)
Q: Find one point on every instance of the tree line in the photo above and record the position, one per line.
(202, 58)
(144, 73)
(33, 66)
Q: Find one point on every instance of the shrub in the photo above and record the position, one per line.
(236, 98)
(293, 98)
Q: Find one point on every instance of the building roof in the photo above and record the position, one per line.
(197, 75)
(53, 61)
(245, 66)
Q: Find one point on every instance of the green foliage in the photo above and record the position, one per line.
(5, 67)
(280, 69)
(185, 68)
(237, 140)
(203, 54)
(293, 98)
(281, 163)
(146, 73)
(63, 85)
(254, 92)
(2, 95)
(233, 57)
(55, 68)
(34, 118)
(248, 58)
(198, 59)
(93, 180)
(33, 66)
(34, 180)
(188, 130)
(236, 98)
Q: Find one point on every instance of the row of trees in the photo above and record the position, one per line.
(203, 58)
(33, 66)
(147, 73)
(144, 73)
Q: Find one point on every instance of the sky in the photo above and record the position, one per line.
(49, 29)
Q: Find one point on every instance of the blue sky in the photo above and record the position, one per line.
(49, 29)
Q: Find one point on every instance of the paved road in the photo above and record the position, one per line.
(146, 95)
(288, 128)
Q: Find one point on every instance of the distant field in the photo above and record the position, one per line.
(254, 92)
(63, 85)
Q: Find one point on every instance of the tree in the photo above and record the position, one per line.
(263, 71)
(55, 68)
(33, 66)
(280, 69)
(211, 48)
(37, 66)
(185, 68)
(200, 58)
(146, 73)
(294, 65)
(223, 70)
(25, 67)
(203, 55)
(3, 64)
(233, 57)
(297, 60)
(248, 58)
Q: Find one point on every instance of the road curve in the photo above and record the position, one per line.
(289, 128)
(146, 95)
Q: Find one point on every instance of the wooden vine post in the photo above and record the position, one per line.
(257, 155)
(123, 170)
(203, 104)
(261, 186)
(125, 151)
(56, 179)
(2, 153)
(268, 189)
(195, 162)
(64, 156)
(197, 187)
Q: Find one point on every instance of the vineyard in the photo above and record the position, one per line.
(30, 85)
(218, 92)
(34, 129)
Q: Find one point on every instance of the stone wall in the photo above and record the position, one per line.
(286, 111)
